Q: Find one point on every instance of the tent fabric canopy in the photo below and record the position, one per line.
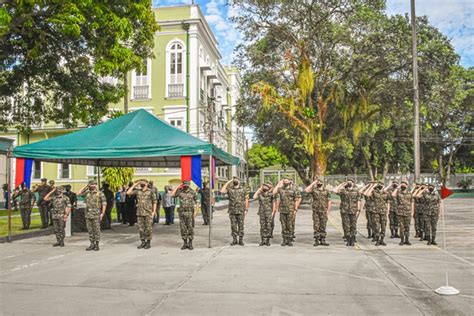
(137, 139)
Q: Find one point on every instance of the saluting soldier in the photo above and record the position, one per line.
(238, 208)
(320, 206)
(350, 207)
(405, 210)
(380, 197)
(27, 200)
(392, 213)
(266, 203)
(188, 206)
(287, 201)
(60, 209)
(431, 213)
(96, 206)
(146, 209)
(369, 208)
(43, 189)
(418, 215)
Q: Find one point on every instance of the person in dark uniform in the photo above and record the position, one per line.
(72, 197)
(130, 207)
(109, 197)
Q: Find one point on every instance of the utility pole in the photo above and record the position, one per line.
(210, 122)
(416, 105)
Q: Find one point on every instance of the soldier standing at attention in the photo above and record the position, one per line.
(188, 206)
(392, 214)
(369, 208)
(381, 198)
(238, 208)
(27, 200)
(50, 215)
(417, 216)
(204, 192)
(109, 198)
(287, 201)
(43, 189)
(266, 201)
(405, 209)
(321, 206)
(350, 206)
(96, 207)
(431, 213)
(146, 209)
(60, 209)
(154, 189)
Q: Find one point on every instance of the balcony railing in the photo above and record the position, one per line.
(140, 92)
(176, 90)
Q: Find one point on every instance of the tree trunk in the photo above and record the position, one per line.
(385, 169)
(448, 167)
(125, 97)
(369, 166)
(318, 163)
(441, 168)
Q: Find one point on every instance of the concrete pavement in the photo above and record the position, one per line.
(36, 278)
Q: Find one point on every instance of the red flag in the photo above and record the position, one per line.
(445, 192)
(186, 168)
(19, 171)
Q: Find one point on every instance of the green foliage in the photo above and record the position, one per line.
(464, 184)
(54, 55)
(260, 156)
(116, 176)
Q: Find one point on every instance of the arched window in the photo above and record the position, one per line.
(176, 69)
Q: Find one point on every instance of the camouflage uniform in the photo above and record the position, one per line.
(369, 209)
(430, 215)
(95, 201)
(145, 201)
(349, 207)
(265, 200)
(380, 213)
(287, 197)
(187, 200)
(43, 190)
(205, 201)
(392, 214)
(237, 197)
(59, 203)
(27, 198)
(320, 204)
(404, 209)
(418, 216)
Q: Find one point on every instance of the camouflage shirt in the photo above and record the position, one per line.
(349, 200)
(43, 190)
(320, 199)
(59, 203)
(265, 202)
(237, 197)
(26, 198)
(187, 199)
(204, 192)
(369, 204)
(393, 200)
(287, 197)
(145, 201)
(380, 201)
(95, 200)
(431, 200)
(404, 200)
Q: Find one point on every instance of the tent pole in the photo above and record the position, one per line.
(9, 192)
(210, 200)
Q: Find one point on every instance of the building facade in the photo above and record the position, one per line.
(179, 85)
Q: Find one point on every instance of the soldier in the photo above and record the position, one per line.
(405, 209)
(146, 209)
(27, 200)
(43, 189)
(109, 197)
(321, 206)
(96, 208)
(350, 207)
(156, 219)
(188, 206)
(238, 208)
(287, 201)
(60, 209)
(50, 214)
(72, 198)
(392, 214)
(431, 213)
(131, 207)
(418, 215)
(369, 209)
(204, 192)
(380, 198)
(266, 201)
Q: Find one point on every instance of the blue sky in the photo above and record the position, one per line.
(455, 18)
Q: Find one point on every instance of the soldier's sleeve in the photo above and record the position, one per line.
(103, 199)
(341, 192)
(195, 197)
(154, 199)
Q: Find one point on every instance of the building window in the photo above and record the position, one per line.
(64, 171)
(175, 76)
(176, 122)
(141, 81)
(37, 169)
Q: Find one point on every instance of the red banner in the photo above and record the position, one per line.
(445, 192)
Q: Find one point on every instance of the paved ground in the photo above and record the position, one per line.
(303, 280)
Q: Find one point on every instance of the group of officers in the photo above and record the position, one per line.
(396, 202)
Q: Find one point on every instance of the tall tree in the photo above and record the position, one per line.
(260, 156)
(55, 54)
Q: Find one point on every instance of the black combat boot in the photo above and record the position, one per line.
(96, 246)
(407, 242)
(142, 245)
(353, 240)
(417, 234)
(381, 242)
(428, 238)
(234, 241)
(433, 242)
(91, 247)
(241, 240)
(185, 244)
(57, 244)
(267, 241)
(402, 241)
(396, 233)
(323, 242)
(377, 243)
(284, 242)
(290, 242)
(421, 236)
(147, 244)
(349, 240)
(316, 242)
(61, 243)
(190, 244)
(262, 243)
(392, 233)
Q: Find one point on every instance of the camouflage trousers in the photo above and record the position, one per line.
(93, 228)
(186, 225)
(43, 210)
(430, 224)
(286, 225)
(205, 213)
(368, 217)
(350, 222)
(293, 222)
(272, 225)
(58, 226)
(404, 226)
(25, 216)
(145, 226)
(393, 218)
(345, 224)
(380, 224)
(419, 222)
(320, 219)
(265, 224)
(237, 225)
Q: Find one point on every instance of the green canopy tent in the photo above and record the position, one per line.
(137, 139)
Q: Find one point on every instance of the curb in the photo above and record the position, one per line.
(36, 233)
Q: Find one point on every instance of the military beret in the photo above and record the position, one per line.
(91, 182)
(51, 181)
(351, 180)
(44, 179)
(404, 182)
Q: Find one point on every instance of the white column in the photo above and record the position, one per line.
(193, 79)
